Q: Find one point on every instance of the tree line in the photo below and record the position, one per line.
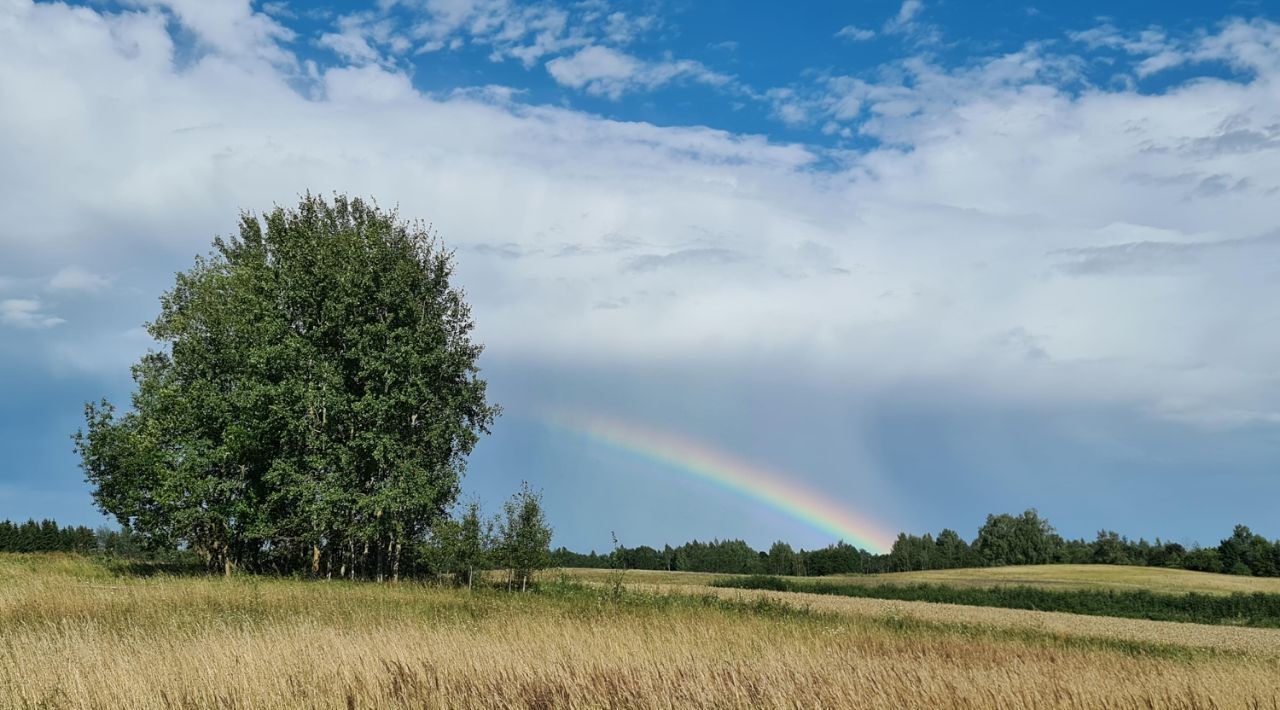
(516, 541)
(1026, 539)
(46, 536)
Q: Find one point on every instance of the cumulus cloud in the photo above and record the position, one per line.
(950, 252)
(232, 28)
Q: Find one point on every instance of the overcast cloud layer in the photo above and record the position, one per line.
(1009, 228)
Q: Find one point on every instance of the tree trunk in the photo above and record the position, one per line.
(315, 560)
(395, 563)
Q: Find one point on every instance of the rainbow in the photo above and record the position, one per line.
(771, 488)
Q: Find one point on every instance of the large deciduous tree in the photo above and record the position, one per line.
(312, 403)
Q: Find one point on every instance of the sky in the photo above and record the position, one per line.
(920, 261)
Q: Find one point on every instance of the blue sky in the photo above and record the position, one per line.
(935, 259)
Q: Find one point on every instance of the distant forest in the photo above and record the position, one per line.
(1025, 539)
(48, 536)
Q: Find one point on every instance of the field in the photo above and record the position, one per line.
(75, 634)
(1153, 579)
(1118, 577)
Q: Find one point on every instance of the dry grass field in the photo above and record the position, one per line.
(73, 635)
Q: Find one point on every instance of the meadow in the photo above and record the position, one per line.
(1114, 577)
(1239, 609)
(78, 633)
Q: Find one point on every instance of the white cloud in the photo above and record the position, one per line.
(608, 72)
(351, 46)
(620, 28)
(527, 32)
(26, 313)
(349, 85)
(367, 38)
(594, 64)
(524, 32)
(580, 44)
(909, 25)
(1252, 46)
(787, 106)
(76, 278)
(1008, 237)
(855, 33)
(905, 20)
(916, 86)
(230, 27)
(279, 8)
(909, 11)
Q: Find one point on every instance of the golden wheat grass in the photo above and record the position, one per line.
(80, 638)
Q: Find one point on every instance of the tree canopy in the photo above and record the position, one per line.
(524, 537)
(312, 403)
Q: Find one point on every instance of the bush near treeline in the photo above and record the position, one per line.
(1025, 539)
(1257, 609)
